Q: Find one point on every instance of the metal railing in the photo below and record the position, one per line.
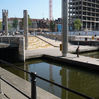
(33, 83)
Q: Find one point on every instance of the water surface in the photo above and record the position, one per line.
(79, 79)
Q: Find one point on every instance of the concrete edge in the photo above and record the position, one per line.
(46, 41)
(73, 62)
(22, 85)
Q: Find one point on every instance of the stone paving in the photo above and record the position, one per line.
(36, 43)
(2, 96)
(71, 48)
(22, 85)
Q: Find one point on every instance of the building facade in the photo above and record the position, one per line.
(85, 10)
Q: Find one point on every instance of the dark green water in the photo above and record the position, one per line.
(92, 54)
(79, 79)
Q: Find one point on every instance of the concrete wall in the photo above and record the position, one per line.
(15, 42)
(55, 36)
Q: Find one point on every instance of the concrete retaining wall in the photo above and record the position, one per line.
(55, 36)
(73, 63)
(15, 42)
(9, 39)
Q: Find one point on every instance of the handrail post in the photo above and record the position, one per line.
(0, 84)
(33, 85)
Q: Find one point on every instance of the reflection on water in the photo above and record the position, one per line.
(80, 80)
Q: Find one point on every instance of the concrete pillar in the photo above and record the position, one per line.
(26, 28)
(5, 22)
(64, 27)
(22, 49)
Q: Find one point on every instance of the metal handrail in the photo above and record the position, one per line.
(33, 82)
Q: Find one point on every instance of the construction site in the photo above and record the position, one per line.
(85, 10)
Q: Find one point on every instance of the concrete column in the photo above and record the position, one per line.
(22, 49)
(5, 22)
(26, 28)
(64, 27)
(2, 20)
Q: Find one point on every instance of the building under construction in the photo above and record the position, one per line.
(85, 10)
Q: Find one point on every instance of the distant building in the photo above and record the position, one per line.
(40, 25)
(37, 24)
(10, 24)
(85, 10)
(59, 27)
(58, 23)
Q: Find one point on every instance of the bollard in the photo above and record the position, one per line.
(33, 86)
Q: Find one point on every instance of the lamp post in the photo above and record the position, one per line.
(64, 27)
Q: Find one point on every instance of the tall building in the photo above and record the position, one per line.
(85, 10)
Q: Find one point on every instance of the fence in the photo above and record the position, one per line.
(33, 83)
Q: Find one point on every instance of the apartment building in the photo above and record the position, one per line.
(85, 10)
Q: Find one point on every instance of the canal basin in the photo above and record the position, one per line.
(79, 79)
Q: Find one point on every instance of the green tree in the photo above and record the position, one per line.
(52, 26)
(9, 26)
(0, 25)
(29, 21)
(77, 24)
(15, 23)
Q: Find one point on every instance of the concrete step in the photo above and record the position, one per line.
(36, 43)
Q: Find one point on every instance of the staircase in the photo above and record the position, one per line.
(36, 43)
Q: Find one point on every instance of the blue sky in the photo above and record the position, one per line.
(36, 8)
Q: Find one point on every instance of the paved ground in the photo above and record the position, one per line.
(22, 85)
(2, 96)
(71, 48)
(36, 43)
(57, 53)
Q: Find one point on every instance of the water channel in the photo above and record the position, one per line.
(79, 79)
(92, 54)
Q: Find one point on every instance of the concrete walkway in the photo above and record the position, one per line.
(22, 85)
(56, 53)
(71, 48)
(2, 96)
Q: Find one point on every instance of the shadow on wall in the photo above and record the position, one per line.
(9, 54)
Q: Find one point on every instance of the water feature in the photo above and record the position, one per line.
(79, 79)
